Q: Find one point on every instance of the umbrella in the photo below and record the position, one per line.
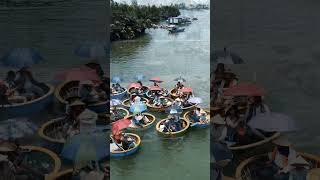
(180, 79)
(272, 122)
(195, 100)
(17, 128)
(244, 89)
(120, 124)
(91, 50)
(78, 74)
(134, 85)
(83, 148)
(186, 90)
(115, 102)
(116, 79)
(222, 56)
(138, 107)
(155, 88)
(140, 77)
(156, 79)
(21, 57)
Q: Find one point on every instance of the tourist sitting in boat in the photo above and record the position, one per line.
(278, 166)
(219, 129)
(178, 86)
(256, 106)
(299, 169)
(203, 117)
(195, 116)
(27, 86)
(87, 92)
(138, 120)
(127, 142)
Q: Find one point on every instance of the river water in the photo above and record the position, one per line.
(279, 41)
(168, 56)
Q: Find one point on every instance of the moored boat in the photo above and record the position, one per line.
(161, 108)
(126, 102)
(70, 89)
(185, 126)
(188, 117)
(244, 171)
(151, 118)
(130, 151)
(51, 167)
(29, 107)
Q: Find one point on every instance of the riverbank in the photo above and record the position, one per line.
(130, 21)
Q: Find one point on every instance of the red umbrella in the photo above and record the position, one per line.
(134, 85)
(156, 79)
(120, 124)
(186, 90)
(155, 88)
(245, 89)
(78, 74)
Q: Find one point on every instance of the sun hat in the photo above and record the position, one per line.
(281, 141)
(77, 103)
(299, 161)
(217, 119)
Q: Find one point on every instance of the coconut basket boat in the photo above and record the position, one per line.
(122, 113)
(185, 126)
(162, 108)
(19, 107)
(188, 117)
(123, 153)
(126, 102)
(151, 118)
(70, 89)
(245, 171)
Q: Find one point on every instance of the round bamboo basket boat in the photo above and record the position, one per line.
(152, 119)
(192, 124)
(126, 102)
(123, 153)
(161, 108)
(185, 126)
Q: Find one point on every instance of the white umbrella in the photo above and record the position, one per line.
(273, 122)
(16, 128)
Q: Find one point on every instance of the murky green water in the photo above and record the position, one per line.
(168, 56)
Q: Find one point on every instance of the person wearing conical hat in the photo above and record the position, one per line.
(299, 169)
(279, 160)
(219, 129)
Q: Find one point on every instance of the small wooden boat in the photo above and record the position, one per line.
(244, 171)
(129, 151)
(188, 117)
(154, 108)
(119, 95)
(54, 135)
(255, 144)
(151, 118)
(185, 126)
(126, 102)
(122, 113)
(165, 93)
(70, 89)
(42, 154)
(145, 89)
(29, 107)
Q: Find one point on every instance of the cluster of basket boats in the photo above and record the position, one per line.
(147, 98)
(245, 160)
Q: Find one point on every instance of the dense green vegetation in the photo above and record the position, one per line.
(131, 21)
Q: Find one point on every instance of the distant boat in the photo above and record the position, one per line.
(176, 30)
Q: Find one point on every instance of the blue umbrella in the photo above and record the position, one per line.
(138, 107)
(91, 50)
(115, 102)
(195, 100)
(116, 79)
(21, 57)
(140, 77)
(83, 148)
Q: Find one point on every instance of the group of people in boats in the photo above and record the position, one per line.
(19, 87)
(12, 165)
(232, 115)
(172, 123)
(198, 115)
(121, 141)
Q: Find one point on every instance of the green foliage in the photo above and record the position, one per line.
(131, 21)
